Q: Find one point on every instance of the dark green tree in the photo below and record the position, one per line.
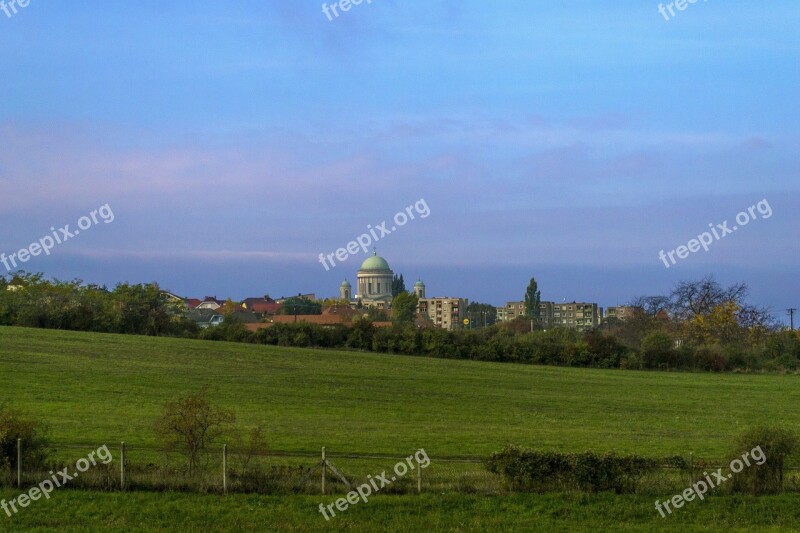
(404, 308)
(297, 305)
(398, 285)
(533, 297)
(480, 314)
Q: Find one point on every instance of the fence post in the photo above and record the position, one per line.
(122, 466)
(19, 463)
(225, 469)
(324, 465)
(419, 477)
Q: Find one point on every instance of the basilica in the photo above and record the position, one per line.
(374, 284)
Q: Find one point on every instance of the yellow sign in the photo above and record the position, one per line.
(466, 321)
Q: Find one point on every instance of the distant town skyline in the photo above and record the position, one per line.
(568, 142)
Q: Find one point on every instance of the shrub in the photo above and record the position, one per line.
(539, 471)
(14, 425)
(776, 445)
(657, 350)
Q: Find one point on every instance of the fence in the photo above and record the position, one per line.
(227, 470)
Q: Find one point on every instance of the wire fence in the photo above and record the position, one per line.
(227, 470)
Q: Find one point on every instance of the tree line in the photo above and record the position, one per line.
(700, 325)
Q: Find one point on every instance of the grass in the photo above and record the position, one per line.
(95, 389)
(101, 389)
(71, 510)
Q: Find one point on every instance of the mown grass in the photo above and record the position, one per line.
(98, 389)
(71, 510)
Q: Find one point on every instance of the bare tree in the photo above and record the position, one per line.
(651, 305)
(191, 424)
(690, 299)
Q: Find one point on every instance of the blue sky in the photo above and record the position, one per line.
(570, 141)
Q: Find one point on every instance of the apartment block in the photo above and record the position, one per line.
(621, 312)
(514, 310)
(445, 313)
(582, 316)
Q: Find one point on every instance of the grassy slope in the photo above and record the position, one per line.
(94, 389)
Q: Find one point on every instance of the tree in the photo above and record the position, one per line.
(690, 299)
(229, 307)
(765, 476)
(191, 424)
(404, 308)
(14, 425)
(398, 285)
(533, 297)
(658, 349)
(480, 314)
(298, 305)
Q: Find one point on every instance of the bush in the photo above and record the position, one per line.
(657, 350)
(14, 425)
(540, 471)
(776, 445)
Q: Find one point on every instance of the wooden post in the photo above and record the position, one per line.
(225, 469)
(19, 463)
(324, 464)
(122, 466)
(419, 478)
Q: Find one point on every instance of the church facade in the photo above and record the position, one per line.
(373, 284)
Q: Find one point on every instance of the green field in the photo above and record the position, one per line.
(95, 389)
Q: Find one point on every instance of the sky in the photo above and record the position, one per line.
(571, 141)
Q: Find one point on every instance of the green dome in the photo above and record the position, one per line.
(375, 263)
(419, 283)
(345, 283)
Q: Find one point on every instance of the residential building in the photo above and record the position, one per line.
(514, 310)
(621, 312)
(205, 318)
(261, 306)
(211, 302)
(582, 316)
(446, 313)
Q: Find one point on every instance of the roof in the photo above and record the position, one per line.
(191, 303)
(261, 305)
(375, 262)
(201, 316)
(320, 320)
(341, 310)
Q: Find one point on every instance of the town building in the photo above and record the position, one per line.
(445, 313)
(621, 312)
(582, 316)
